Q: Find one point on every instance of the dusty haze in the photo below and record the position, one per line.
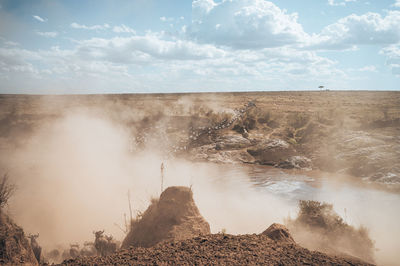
(74, 170)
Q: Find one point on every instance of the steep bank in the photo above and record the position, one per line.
(14, 246)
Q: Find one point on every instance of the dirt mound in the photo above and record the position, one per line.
(319, 227)
(221, 250)
(14, 246)
(279, 232)
(173, 217)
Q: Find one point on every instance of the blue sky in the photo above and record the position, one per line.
(104, 46)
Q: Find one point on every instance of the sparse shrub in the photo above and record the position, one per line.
(238, 128)
(6, 190)
(249, 123)
(264, 117)
(218, 118)
(298, 120)
(318, 226)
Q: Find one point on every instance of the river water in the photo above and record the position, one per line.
(356, 202)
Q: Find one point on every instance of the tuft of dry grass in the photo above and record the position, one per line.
(6, 190)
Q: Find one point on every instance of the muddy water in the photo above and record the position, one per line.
(357, 203)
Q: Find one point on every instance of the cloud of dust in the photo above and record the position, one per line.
(373, 209)
(73, 176)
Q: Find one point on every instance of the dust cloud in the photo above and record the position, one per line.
(74, 173)
(73, 177)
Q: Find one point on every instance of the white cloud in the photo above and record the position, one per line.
(170, 64)
(244, 24)
(340, 3)
(39, 18)
(397, 3)
(393, 54)
(94, 27)
(123, 29)
(48, 34)
(367, 29)
(367, 69)
(333, 3)
(142, 48)
(17, 60)
(11, 43)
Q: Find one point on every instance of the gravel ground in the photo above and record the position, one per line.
(219, 249)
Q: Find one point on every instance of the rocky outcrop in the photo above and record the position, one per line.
(296, 162)
(231, 142)
(272, 151)
(14, 246)
(173, 217)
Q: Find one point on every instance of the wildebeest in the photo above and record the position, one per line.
(105, 245)
(88, 249)
(37, 250)
(74, 250)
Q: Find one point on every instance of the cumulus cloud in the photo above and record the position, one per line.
(39, 18)
(397, 3)
(393, 54)
(48, 34)
(367, 29)
(17, 60)
(244, 24)
(123, 29)
(171, 63)
(140, 48)
(94, 27)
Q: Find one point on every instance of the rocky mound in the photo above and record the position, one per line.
(173, 217)
(272, 151)
(279, 232)
(219, 249)
(14, 246)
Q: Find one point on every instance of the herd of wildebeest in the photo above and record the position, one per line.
(103, 245)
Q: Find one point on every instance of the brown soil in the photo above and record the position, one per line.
(279, 232)
(174, 216)
(219, 249)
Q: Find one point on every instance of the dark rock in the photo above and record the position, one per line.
(298, 162)
(272, 151)
(232, 142)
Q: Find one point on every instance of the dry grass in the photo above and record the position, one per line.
(318, 226)
(6, 190)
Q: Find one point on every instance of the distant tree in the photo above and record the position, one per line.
(6, 190)
(321, 87)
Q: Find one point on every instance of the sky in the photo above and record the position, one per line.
(153, 46)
